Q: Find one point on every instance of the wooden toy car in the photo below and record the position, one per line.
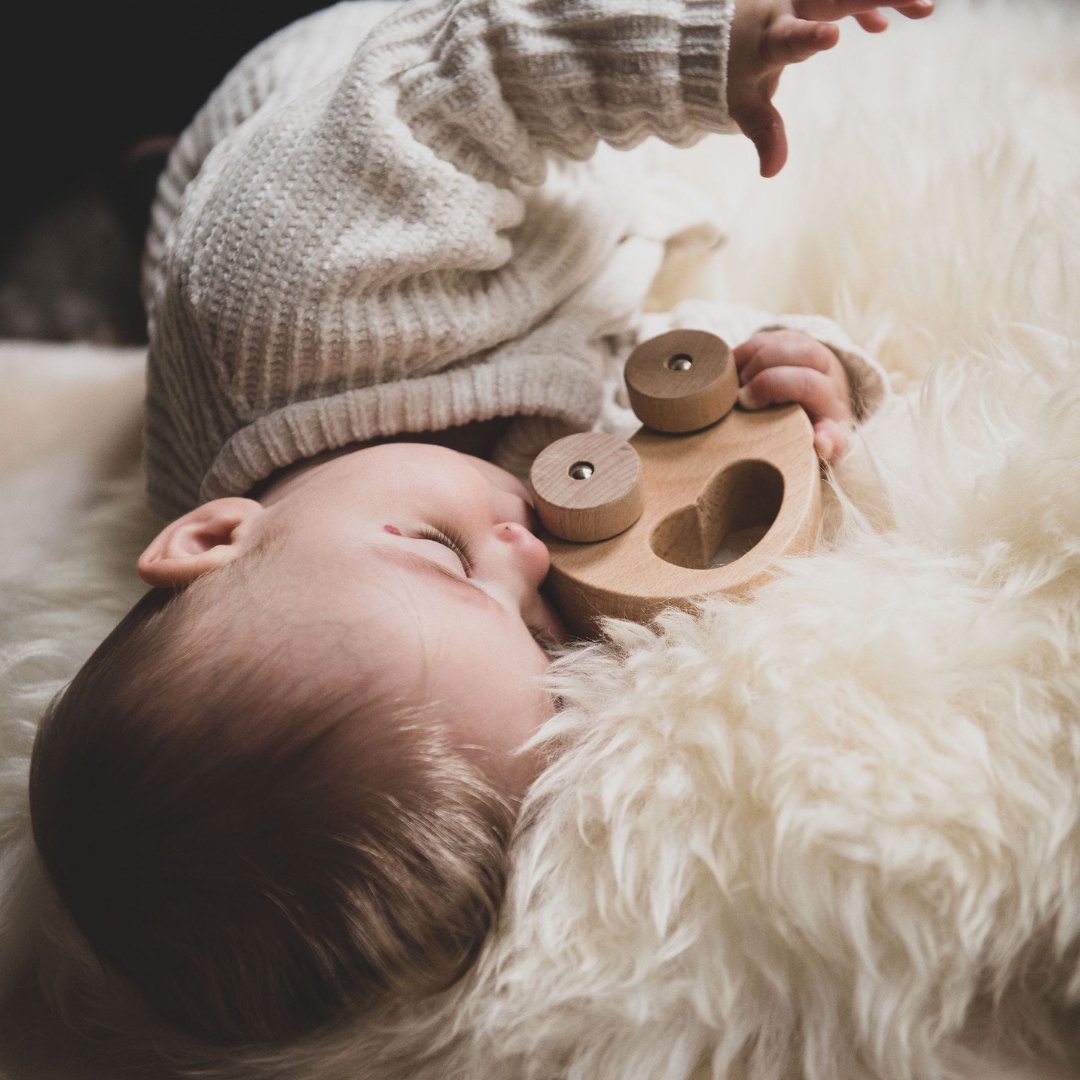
(701, 500)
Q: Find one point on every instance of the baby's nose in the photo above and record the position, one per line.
(528, 556)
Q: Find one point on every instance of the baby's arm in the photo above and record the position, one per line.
(639, 67)
(766, 36)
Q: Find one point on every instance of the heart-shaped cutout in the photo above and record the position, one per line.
(732, 514)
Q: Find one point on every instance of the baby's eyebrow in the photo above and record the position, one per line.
(410, 560)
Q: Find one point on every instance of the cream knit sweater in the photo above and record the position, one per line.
(398, 217)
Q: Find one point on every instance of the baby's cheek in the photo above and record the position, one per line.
(500, 478)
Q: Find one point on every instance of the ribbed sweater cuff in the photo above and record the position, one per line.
(574, 71)
(561, 387)
(627, 68)
(704, 47)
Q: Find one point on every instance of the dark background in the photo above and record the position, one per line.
(83, 87)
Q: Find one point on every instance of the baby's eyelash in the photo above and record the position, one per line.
(452, 540)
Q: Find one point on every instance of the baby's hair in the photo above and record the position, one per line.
(255, 856)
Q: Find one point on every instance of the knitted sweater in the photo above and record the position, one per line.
(399, 217)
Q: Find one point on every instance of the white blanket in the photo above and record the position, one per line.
(832, 833)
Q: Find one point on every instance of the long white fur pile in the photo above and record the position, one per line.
(832, 833)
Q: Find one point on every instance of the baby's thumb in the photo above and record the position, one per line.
(830, 439)
(764, 127)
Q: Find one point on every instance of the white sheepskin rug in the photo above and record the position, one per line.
(832, 833)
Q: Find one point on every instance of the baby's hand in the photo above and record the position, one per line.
(782, 366)
(766, 36)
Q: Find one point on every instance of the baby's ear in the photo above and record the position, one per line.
(204, 539)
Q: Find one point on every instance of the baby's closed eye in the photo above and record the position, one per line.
(448, 538)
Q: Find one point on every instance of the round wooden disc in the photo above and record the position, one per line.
(587, 486)
(681, 381)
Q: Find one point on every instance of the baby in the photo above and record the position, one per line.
(388, 250)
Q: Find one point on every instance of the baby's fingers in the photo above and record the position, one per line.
(873, 22)
(830, 439)
(865, 11)
(782, 348)
(813, 390)
(760, 122)
(791, 40)
(917, 10)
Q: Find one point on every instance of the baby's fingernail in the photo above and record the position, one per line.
(746, 396)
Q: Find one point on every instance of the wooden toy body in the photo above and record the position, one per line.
(720, 506)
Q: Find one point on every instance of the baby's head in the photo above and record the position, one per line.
(283, 787)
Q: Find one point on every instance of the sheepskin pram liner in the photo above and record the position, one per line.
(833, 832)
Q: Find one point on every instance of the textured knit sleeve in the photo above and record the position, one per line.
(400, 214)
(559, 75)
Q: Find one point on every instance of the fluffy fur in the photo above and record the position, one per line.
(834, 832)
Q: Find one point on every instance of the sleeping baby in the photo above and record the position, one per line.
(391, 259)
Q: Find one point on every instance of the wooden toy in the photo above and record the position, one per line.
(701, 500)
